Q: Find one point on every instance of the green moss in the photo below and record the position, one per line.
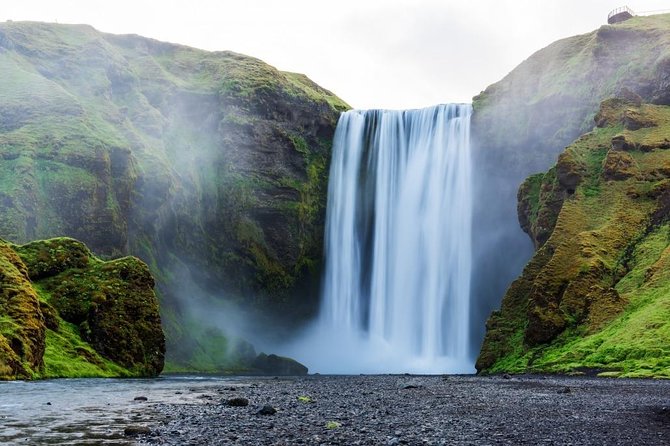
(299, 143)
(46, 258)
(67, 356)
(73, 315)
(595, 296)
(209, 161)
(21, 324)
(304, 85)
(533, 184)
(552, 97)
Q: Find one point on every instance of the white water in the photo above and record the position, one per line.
(398, 245)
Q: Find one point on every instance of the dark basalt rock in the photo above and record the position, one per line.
(267, 410)
(134, 431)
(237, 402)
(569, 172)
(278, 365)
(620, 142)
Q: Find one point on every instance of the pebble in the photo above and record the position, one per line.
(132, 431)
(238, 402)
(267, 410)
(369, 410)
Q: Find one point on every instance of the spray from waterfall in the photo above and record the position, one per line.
(396, 289)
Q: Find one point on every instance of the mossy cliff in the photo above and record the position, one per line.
(596, 294)
(65, 313)
(522, 123)
(210, 166)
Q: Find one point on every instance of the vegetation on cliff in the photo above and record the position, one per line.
(523, 122)
(210, 166)
(550, 99)
(596, 294)
(66, 313)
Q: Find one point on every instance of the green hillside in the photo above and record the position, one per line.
(210, 166)
(595, 297)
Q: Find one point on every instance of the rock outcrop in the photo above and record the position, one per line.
(278, 365)
(522, 123)
(65, 313)
(596, 293)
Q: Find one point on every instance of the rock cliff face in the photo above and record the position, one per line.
(210, 166)
(63, 312)
(522, 124)
(596, 293)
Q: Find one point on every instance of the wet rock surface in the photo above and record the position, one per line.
(414, 410)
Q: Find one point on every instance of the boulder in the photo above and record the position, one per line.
(618, 166)
(278, 365)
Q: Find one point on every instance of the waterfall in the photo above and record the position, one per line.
(398, 235)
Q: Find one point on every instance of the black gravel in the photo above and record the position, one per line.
(419, 410)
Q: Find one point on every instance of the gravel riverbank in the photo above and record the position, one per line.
(416, 410)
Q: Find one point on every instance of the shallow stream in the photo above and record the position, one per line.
(88, 411)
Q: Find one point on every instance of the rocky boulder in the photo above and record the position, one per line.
(66, 313)
(278, 365)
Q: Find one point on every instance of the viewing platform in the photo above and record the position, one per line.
(620, 15)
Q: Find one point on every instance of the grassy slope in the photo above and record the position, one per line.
(551, 98)
(523, 122)
(181, 156)
(596, 294)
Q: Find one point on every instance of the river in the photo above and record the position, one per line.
(89, 411)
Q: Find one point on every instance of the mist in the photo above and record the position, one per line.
(217, 179)
(326, 349)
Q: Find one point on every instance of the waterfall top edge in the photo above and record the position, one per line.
(401, 110)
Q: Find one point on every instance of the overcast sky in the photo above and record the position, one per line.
(371, 53)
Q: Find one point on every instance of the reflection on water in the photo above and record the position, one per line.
(88, 411)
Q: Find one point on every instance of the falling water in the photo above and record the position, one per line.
(398, 246)
(398, 239)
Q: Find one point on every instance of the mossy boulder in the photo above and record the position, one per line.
(65, 313)
(48, 258)
(22, 326)
(587, 298)
(619, 166)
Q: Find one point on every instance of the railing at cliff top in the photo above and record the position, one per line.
(619, 11)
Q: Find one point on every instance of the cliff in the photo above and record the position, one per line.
(210, 166)
(595, 295)
(66, 313)
(522, 123)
